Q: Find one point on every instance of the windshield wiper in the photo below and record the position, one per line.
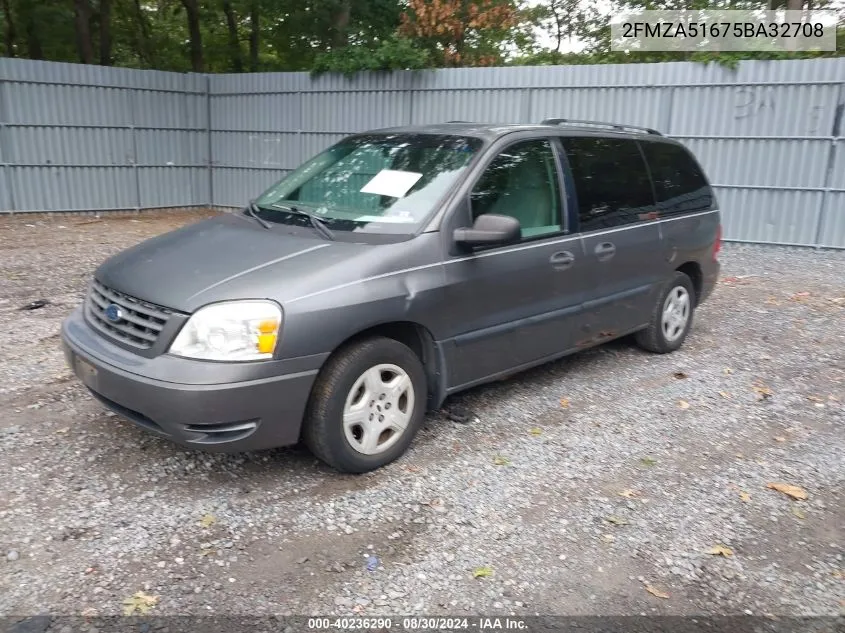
(316, 222)
(253, 210)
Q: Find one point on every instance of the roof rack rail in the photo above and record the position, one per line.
(618, 126)
(458, 121)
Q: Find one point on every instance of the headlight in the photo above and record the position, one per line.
(234, 330)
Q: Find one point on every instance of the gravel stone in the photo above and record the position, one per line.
(94, 503)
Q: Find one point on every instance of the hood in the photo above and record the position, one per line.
(227, 257)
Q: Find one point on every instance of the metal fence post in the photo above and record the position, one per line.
(527, 104)
(835, 132)
(412, 75)
(5, 145)
(132, 130)
(300, 138)
(666, 123)
(210, 145)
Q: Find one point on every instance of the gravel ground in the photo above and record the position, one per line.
(593, 485)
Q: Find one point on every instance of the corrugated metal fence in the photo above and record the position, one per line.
(79, 138)
(74, 137)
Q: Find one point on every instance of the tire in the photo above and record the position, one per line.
(390, 390)
(659, 337)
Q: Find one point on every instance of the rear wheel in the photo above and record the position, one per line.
(366, 406)
(671, 317)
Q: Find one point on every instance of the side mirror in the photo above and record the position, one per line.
(490, 229)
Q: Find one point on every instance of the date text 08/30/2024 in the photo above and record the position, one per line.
(417, 624)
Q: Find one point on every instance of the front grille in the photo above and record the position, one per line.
(140, 322)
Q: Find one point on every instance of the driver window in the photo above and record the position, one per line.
(522, 182)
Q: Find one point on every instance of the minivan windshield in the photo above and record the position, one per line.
(372, 183)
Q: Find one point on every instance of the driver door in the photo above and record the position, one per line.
(516, 304)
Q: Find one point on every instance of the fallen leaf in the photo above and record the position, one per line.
(799, 296)
(140, 602)
(763, 391)
(536, 431)
(725, 395)
(64, 430)
(772, 301)
(564, 403)
(648, 461)
(839, 574)
(656, 592)
(815, 399)
(615, 520)
(788, 489)
(780, 438)
(745, 497)
(720, 550)
(482, 572)
(501, 460)
(629, 493)
(608, 538)
(208, 520)
(797, 513)
(683, 404)
(730, 280)
(680, 375)
(728, 371)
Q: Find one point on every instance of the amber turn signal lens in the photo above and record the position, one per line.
(268, 327)
(266, 343)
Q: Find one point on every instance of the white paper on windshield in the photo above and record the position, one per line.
(391, 182)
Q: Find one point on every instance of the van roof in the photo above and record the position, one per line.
(492, 131)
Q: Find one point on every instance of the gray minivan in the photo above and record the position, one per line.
(395, 268)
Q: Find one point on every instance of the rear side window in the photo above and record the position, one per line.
(679, 183)
(611, 182)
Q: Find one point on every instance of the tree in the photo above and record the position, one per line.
(192, 12)
(105, 32)
(254, 28)
(340, 23)
(82, 22)
(234, 40)
(460, 32)
(9, 34)
(342, 35)
(561, 19)
(139, 35)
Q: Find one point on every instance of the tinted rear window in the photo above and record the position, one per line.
(611, 182)
(679, 183)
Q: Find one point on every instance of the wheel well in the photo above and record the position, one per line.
(693, 271)
(420, 341)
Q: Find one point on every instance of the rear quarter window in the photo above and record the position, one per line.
(611, 182)
(679, 183)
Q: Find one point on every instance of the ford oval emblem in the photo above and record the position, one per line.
(113, 313)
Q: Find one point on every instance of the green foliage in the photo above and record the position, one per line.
(346, 36)
(394, 53)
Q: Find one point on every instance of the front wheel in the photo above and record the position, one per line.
(671, 317)
(366, 406)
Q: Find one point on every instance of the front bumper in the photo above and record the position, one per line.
(212, 406)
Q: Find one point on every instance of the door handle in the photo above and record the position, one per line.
(605, 251)
(562, 260)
